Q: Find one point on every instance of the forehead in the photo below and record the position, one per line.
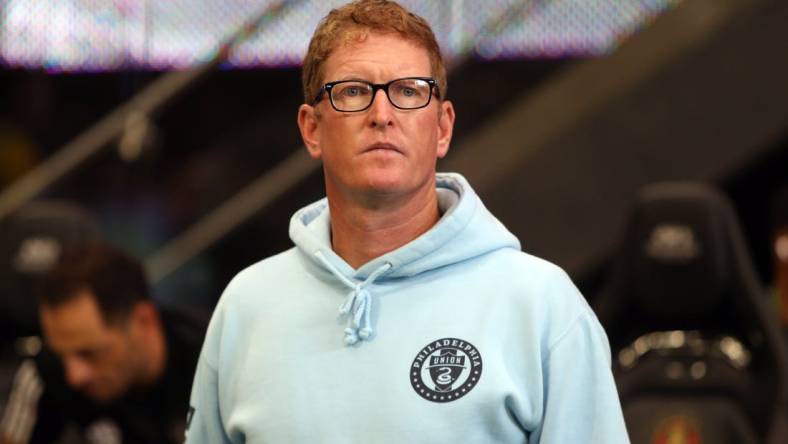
(75, 324)
(376, 56)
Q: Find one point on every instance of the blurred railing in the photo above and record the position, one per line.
(145, 105)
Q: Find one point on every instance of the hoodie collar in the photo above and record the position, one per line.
(466, 230)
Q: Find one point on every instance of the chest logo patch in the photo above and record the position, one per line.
(446, 369)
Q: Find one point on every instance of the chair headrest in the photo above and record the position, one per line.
(31, 241)
(678, 252)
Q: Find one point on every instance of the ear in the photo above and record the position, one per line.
(445, 127)
(308, 120)
(144, 316)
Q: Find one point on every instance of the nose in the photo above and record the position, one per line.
(381, 112)
(78, 372)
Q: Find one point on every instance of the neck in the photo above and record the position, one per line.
(363, 229)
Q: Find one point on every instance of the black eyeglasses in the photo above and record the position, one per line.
(350, 96)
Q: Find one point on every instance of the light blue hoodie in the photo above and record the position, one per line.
(457, 336)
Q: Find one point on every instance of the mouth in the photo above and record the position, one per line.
(382, 147)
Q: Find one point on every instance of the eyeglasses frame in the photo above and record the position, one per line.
(326, 89)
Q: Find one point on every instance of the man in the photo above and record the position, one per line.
(119, 370)
(446, 332)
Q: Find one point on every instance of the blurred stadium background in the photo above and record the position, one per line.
(174, 122)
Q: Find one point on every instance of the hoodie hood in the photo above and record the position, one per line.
(465, 230)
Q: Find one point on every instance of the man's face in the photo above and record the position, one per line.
(382, 150)
(101, 361)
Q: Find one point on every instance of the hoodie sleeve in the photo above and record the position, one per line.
(204, 423)
(581, 402)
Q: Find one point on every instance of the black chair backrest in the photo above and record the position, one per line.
(31, 241)
(688, 321)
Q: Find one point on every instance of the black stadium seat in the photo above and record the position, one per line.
(698, 355)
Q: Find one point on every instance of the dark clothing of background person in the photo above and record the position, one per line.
(150, 415)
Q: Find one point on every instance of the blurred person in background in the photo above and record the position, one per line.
(451, 333)
(116, 369)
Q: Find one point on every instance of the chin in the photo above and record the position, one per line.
(102, 398)
(385, 184)
(379, 181)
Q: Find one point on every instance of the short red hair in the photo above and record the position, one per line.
(353, 22)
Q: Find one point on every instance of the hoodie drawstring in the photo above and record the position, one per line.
(358, 301)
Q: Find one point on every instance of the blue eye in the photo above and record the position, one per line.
(410, 89)
(351, 90)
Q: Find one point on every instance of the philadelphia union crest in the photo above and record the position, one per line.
(446, 369)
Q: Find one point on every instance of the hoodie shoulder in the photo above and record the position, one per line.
(263, 273)
(546, 277)
(545, 288)
(529, 267)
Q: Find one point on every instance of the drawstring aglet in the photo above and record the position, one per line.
(351, 337)
(365, 333)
